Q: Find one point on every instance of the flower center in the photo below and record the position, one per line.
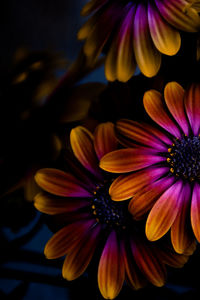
(107, 211)
(184, 158)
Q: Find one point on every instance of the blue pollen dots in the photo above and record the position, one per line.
(107, 211)
(184, 158)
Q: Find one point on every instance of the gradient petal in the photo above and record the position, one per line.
(82, 145)
(53, 205)
(172, 259)
(192, 105)
(164, 212)
(195, 211)
(126, 160)
(166, 39)
(125, 186)
(181, 233)
(143, 201)
(111, 272)
(60, 183)
(78, 259)
(104, 139)
(148, 262)
(179, 14)
(64, 239)
(174, 98)
(154, 106)
(147, 56)
(91, 6)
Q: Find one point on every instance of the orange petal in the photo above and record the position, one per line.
(143, 201)
(64, 239)
(82, 143)
(78, 259)
(154, 106)
(91, 6)
(164, 212)
(111, 271)
(60, 183)
(126, 160)
(125, 186)
(181, 234)
(148, 262)
(166, 38)
(172, 259)
(54, 205)
(195, 211)
(174, 98)
(147, 56)
(104, 139)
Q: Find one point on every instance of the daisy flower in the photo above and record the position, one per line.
(136, 32)
(164, 165)
(93, 220)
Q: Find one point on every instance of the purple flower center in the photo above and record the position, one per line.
(184, 158)
(107, 211)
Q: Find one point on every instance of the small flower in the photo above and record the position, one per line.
(94, 221)
(136, 32)
(165, 165)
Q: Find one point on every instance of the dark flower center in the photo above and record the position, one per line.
(184, 158)
(107, 211)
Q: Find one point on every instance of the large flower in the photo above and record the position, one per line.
(165, 164)
(136, 32)
(93, 220)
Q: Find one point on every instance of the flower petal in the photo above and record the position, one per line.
(164, 212)
(125, 186)
(64, 239)
(111, 272)
(138, 132)
(60, 183)
(174, 98)
(195, 211)
(143, 201)
(154, 106)
(179, 14)
(148, 262)
(192, 105)
(181, 234)
(54, 205)
(91, 6)
(172, 259)
(166, 39)
(82, 145)
(104, 139)
(78, 259)
(147, 56)
(126, 160)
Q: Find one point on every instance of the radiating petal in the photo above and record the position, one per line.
(192, 105)
(91, 6)
(126, 160)
(78, 259)
(138, 132)
(172, 259)
(125, 186)
(179, 14)
(147, 56)
(195, 211)
(53, 205)
(82, 145)
(174, 98)
(181, 234)
(166, 39)
(154, 106)
(110, 62)
(148, 262)
(164, 212)
(60, 183)
(105, 140)
(111, 271)
(145, 198)
(64, 239)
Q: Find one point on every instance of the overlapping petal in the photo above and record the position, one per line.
(195, 211)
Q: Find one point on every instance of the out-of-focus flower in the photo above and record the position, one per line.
(93, 220)
(135, 33)
(165, 165)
